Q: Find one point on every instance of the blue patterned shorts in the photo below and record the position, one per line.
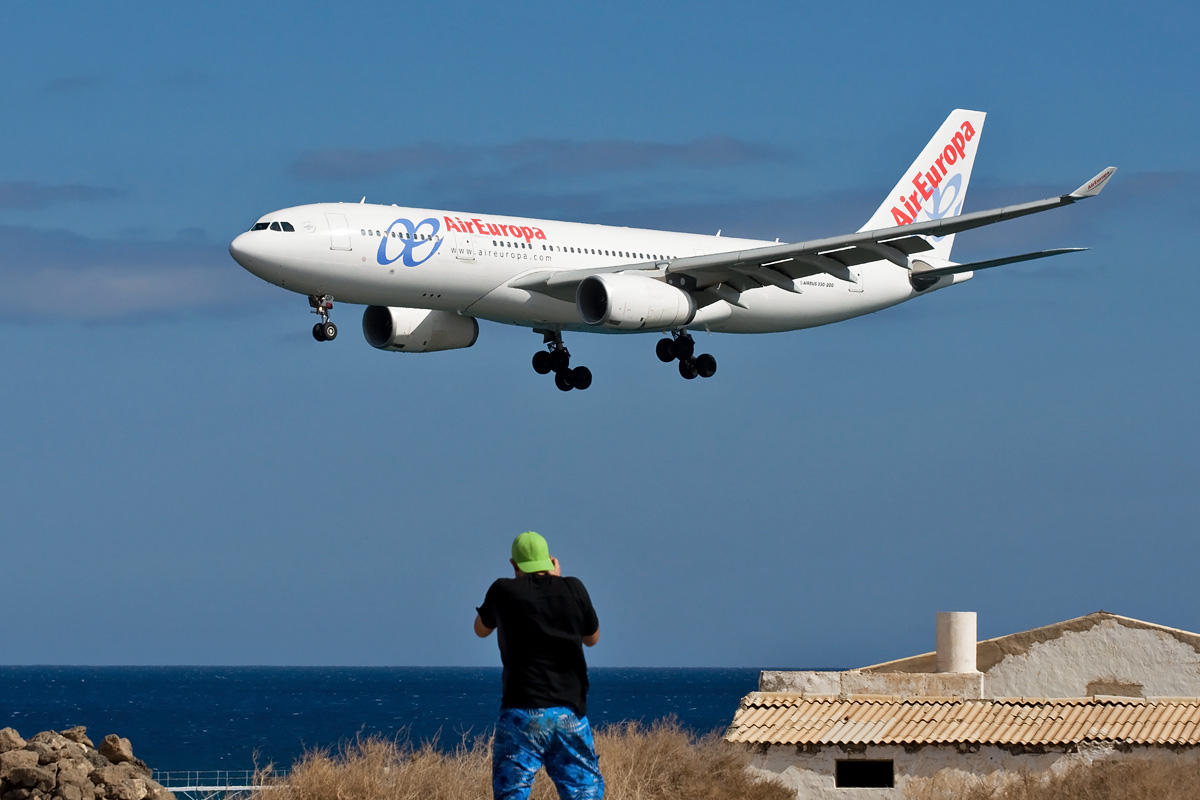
(528, 738)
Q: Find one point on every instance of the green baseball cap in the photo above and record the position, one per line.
(531, 553)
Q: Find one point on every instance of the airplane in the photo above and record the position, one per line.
(428, 276)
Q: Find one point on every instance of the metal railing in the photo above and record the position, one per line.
(215, 783)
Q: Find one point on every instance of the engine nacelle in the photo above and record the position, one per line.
(631, 303)
(417, 330)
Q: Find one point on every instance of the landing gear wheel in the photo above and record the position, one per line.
(683, 347)
(663, 350)
(581, 378)
(557, 359)
(687, 368)
(560, 360)
(706, 365)
(321, 305)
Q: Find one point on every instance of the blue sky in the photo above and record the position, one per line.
(189, 479)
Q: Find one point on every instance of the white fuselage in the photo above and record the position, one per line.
(464, 263)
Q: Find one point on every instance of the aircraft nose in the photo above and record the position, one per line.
(239, 249)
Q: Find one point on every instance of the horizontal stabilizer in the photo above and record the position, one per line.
(925, 270)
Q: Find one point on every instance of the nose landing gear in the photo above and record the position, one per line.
(557, 359)
(323, 331)
(683, 348)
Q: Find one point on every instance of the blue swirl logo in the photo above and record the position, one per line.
(944, 202)
(411, 239)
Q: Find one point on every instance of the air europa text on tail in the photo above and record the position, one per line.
(926, 182)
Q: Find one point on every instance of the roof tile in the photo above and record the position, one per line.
(786, 718)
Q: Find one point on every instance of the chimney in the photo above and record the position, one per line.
(956, 641)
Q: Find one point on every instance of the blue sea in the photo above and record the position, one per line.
(207, 718)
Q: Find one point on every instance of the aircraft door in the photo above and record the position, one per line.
(339, 232)
(857, 273)
(464, 246)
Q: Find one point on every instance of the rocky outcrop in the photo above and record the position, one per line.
(67, 766)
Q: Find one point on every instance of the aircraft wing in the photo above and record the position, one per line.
(725, 275)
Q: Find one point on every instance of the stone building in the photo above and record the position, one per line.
(1099, 686)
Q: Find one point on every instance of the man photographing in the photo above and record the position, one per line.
(544, 620)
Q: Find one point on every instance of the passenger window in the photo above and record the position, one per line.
(362, 232)
(287, 226)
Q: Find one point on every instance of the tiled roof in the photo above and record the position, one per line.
(790, 719)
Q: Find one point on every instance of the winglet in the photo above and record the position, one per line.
(1093, 187)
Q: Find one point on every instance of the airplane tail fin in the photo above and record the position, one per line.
(936, 184)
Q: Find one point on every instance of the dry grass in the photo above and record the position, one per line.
(639, 763)
(1160, 778)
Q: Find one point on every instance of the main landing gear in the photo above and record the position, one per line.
(323, 331)
(682, 347)
(556, 359)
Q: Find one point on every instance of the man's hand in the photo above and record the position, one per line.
(557, 567)
(481, 630)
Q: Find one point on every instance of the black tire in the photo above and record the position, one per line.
(687, 368)
(319, 332)
(663, 351)
(562, 381)
(581, 378)
(330, 331)
(560, 361)
(706, 365)
(541, 362)
(683, 347)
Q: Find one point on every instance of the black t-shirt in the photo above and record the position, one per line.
(541, 622)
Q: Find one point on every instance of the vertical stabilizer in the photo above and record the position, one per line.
(935, 185)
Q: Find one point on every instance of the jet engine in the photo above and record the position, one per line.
(417, 330)
(631, 302)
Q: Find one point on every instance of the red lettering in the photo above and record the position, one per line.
(941, 166)
(914, 206)
(960, 144)
(538, 233)
(921, 187)
(900, 217)
(479, 226)
(968, 130)
(528, 233)
(450, 224)
(949, 155)
(504, 230)
(934, 180)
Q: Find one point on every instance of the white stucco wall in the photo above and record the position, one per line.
(812, 774)
(1108, 652)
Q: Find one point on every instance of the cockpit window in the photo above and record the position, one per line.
(287, 226)
(275, 226)
(260, 226)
